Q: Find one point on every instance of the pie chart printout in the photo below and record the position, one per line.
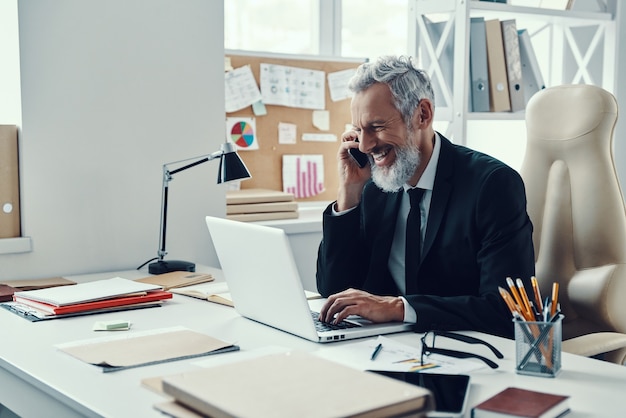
(242, 134)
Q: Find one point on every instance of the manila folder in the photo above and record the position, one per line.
(295, 384)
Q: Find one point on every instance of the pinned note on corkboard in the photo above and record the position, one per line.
(306, 137)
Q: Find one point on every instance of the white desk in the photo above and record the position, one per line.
(38, 380)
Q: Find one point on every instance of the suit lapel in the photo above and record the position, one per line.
(441, 193)
(382, 246)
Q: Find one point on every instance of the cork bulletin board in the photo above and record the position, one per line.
(265, 164)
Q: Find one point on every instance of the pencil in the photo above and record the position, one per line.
(509, 302)
(555, 298)
(516, 295)
(537, 293)
(524, 295)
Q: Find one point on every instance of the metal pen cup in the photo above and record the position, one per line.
(538, 347)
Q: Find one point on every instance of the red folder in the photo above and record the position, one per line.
(151, 296)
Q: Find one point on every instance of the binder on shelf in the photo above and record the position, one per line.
(479, 74)
(9, 183)
(510, 40)
(499, 100)
(531, 73)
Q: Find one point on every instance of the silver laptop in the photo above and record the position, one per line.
(265, 286)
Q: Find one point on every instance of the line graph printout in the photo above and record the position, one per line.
(293, 87)
(303, 175)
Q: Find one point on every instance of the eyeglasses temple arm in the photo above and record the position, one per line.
(469, 340)
(462, 354)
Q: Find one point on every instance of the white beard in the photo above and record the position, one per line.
(390, 179)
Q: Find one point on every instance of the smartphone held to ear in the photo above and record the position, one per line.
(361, 158)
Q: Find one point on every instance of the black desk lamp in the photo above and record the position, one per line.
(231, 168)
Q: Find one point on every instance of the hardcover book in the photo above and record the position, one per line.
(284, 385)
(522, 403)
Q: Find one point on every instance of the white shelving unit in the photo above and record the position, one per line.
(572, 47)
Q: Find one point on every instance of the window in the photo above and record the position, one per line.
(307, 27)
(373, 28)
(279, 26)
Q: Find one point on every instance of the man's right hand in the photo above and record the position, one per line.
(352, 178)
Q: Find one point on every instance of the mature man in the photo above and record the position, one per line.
(441, 265)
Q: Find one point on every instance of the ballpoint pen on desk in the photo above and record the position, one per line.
(377, 350)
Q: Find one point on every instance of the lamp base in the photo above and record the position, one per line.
(160, 267)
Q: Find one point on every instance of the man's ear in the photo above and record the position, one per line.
(423, 114)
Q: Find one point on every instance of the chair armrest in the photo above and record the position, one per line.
(611, 344)
(598, 294)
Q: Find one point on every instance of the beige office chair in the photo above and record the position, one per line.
(578, 213)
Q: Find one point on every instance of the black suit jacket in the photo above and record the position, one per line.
(478, 233)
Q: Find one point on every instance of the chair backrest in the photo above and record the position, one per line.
(576, 205)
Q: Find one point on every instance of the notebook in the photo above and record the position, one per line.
(265, 285)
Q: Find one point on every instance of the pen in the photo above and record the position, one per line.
(377, 350)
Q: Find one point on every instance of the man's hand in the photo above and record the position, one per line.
(352, 178)
(357, 302)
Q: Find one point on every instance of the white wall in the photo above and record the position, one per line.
(9, 69)
(111, 90)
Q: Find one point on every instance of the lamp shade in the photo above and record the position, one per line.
(231, 166)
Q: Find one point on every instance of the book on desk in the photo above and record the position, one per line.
(290, 384)
(522, 403)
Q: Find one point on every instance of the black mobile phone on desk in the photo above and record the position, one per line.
(451, 391)
(361, 158)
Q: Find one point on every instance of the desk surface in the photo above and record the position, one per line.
(37, 379)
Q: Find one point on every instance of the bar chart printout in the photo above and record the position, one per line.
(303, 175)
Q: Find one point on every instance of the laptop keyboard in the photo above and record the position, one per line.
(325, 326)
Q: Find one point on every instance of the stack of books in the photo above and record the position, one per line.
(249, 205)
(92, 297)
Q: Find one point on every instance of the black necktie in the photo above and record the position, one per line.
(413, 241)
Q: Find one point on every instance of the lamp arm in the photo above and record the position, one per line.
(167, 177)
(203, 159)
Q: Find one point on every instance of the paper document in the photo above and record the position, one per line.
(119, 352)
(395, 356)
(217, 292)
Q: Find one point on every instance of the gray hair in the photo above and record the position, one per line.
(408, 83)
